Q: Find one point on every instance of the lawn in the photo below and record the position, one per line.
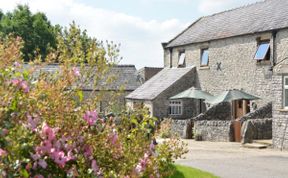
(188, 172)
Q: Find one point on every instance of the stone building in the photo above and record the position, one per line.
(244, 48)
(155, 93)
(124, 80)
(146, 73)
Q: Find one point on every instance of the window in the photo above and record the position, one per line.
(181, 61)
(263, 51)
(285, 92)
(175, 107)
(204, 57)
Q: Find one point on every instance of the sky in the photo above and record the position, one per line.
(139, 25)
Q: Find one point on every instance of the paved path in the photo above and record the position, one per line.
(230, 160)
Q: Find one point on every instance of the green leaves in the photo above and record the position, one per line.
(35, 29)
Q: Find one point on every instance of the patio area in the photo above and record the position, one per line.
(231, 160)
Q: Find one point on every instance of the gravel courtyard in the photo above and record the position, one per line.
(230, 160)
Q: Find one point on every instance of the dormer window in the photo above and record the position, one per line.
(204, 57)
(181, 60)
(263, 51)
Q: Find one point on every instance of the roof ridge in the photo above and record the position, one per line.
(236, 8)
(187, 28)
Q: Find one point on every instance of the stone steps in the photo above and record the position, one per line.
(263, 142)
(254, 145)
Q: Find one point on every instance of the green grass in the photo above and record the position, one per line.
(188, 172)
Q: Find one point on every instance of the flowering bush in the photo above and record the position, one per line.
(48, 130)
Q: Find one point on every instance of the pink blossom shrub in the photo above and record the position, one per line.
(47, 129)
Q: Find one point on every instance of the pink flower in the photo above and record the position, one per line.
(90, 117)
(59, 158)
(76, 72)
(3, 152)
(114, 137)
(4, 132)
(15, 81)
(39, 176)
(42, 163)
(46, 146)
(32, 122)
(16, 64)
(94, 166)
(87, 151)
(141, 166)
(21, 84)
(24, 86)
(35, 157)
(47, 132)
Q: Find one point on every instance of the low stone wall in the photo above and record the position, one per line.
(214, 130)
(257, 125)
(183, 128)
(256, 129)
(221, 111)
(215, 124)
(261, 113)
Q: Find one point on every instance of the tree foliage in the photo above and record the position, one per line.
(35, 29)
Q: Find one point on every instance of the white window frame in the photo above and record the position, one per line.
(176, 107)
(285, 87)
(202, 55)
(182, 58)
(265, 57)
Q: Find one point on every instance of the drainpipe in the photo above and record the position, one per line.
(274, 34)
(170, 55)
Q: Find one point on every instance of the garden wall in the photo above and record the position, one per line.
(215, 124)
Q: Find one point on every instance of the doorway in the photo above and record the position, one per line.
(240, 108)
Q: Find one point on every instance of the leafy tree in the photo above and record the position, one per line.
(35, 29)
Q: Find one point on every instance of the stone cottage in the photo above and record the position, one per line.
(124, 78)
(244, 48)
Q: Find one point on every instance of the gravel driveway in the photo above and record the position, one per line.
(230, 160)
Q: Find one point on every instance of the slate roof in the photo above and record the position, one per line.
(159, 83)
(262, 16)
(125, 75)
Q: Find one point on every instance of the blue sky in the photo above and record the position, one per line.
(139, 25)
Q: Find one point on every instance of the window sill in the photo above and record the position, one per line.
(204, 68)
(264, 62)
(175, 115)
(282, 110)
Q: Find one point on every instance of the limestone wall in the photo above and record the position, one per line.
(231, 66)
(214, 130)
(280, 115)
(161, 103)
(215, 124)
(256, 129)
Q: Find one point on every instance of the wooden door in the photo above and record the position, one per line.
(240, 108)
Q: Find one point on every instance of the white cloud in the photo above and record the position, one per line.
(212, 6)
(140, 39)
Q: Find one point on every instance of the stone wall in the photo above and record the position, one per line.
(261, 113)
(161, 103)
(183, 128)
(256, 129)
(214, 130)
(215, 124)
(231, 66)
(280, 115)
(148, 72)
(221, 111)
(109, 101)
